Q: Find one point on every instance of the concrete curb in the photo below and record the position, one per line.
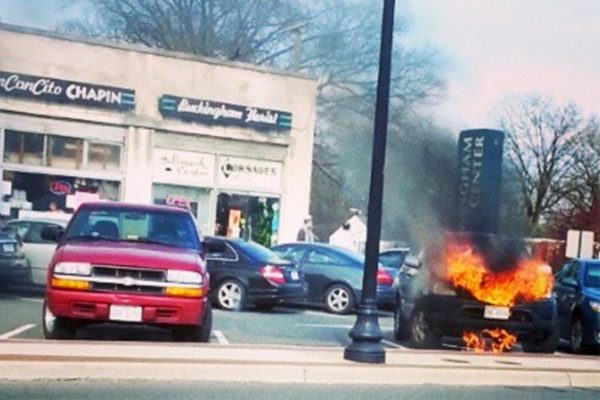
(261, 373)
(45, 360)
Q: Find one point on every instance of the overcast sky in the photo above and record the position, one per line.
(491, 48)
(498, 48)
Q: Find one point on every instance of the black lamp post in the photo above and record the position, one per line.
(366, 335)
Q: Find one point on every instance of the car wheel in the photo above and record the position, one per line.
(196, 333)
(548, 345)
(576, 336)
(421, 334)
(231, 295)
(57, 327)
(339, 299)
(400, 331)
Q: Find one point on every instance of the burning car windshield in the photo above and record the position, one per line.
(144, 226)
(592, 278)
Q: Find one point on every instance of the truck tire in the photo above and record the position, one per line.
(548, 345)
(196, 333)
(420, 333)
(57, 328)
(400, 324)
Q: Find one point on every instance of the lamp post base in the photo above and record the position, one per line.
(366, 337)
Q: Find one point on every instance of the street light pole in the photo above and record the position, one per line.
(366, 335)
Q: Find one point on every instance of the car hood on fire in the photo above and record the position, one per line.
(129, 254)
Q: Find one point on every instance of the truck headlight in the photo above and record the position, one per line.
(178, 276)
(595, 305)
(73, 268)
(443, 288)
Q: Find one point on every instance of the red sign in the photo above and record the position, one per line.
(60, 187)
(178, 201)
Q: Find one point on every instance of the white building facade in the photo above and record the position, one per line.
(83, 120)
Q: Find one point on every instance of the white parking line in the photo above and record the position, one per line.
(31, 299)
(17, 331)
(326, 326)
(220, 337)
(324, 314)
(392, 344)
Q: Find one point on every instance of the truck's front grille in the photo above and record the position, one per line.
(114, 287)
(126, 272)
(127, 279)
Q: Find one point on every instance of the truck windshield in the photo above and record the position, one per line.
(143, 226)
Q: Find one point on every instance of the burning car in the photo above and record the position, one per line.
(486, 289)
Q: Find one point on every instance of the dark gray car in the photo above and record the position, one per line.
(334, 275)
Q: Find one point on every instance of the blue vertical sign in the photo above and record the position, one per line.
(479, 179)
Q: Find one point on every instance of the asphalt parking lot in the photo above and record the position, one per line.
(20, 318)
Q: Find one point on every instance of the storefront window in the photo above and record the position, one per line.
(249, 217)
(40, 192)
(104, 157)
(196, 199)
(64, 153)
(23, 148)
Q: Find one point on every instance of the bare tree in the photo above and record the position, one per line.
(542, 143)
(336, 41)
(580, 209)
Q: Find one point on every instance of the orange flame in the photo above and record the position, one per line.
(500, 340)
(529, 280)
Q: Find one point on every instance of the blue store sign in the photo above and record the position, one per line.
(66, 92)
(215, 113)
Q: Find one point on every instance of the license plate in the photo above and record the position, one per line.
(125, 313)
(294, 275)
(8, 247)
(495, 312)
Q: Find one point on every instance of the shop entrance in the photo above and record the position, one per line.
(249, 217)
(197, 200)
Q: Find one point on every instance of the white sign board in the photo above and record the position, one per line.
(4, 208)
(183, 167)
(77, 199)
(6, 188)
(587, 244)
(246, 173)
(580, 244)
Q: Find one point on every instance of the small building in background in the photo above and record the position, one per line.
(351, 235)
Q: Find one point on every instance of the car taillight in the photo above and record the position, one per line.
(384, 278)
(273, 274)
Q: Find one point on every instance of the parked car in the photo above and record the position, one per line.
(393, 258)
(37, 250)
(428, 307)
(245, 273)
(127, 263)
(14, 267)
(334, 275)
(577, 289)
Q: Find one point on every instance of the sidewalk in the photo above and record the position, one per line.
(27, 360)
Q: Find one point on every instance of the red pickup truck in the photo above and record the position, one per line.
(126, 263)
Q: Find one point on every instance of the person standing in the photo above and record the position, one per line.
(305, 234)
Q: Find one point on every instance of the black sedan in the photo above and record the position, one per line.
(246, 273)
(334, 275)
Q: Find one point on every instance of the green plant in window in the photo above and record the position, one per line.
(261, 224)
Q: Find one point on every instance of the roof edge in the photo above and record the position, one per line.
(150, 50)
